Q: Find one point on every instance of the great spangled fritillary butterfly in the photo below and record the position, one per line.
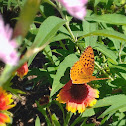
(81, 72)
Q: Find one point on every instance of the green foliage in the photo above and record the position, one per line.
(117, 19)
(58, 40)
(37, 122)
(60, 77)
(43, 37)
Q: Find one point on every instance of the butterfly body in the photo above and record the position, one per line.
(81, 72)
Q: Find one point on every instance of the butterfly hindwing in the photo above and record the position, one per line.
(77, 72)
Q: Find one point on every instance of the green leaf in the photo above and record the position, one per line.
(106, 118)
(107, 101)
(68, 117)
(64, 30)
(14, 91)
(120, 66)
(116, 43)
(88, 112)
(37, 122)
(104, 49)
(78, 33)
(59, 37)
(55, 120)
(114, 108)
(87, 28)
(43, 111)
(67, 62)
(120, 82)
(117, 19)
(8, 4)
(77, 120)
(46, 31)
(61, 107)
(49, 2)
(47, 10)
(119, 69)
(98, 1)
(120, 122)
(85, 124)
(48, 53)
(106, 33)
(115, 102)
(123, 109)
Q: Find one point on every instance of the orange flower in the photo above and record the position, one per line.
(5, 104)
(5, 100)
(77, 97)
(23, 70)
(4, 119)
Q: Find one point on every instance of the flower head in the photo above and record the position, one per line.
(76, 8)
(23, 70)
(5, 104)
(8, 53)
(4, 118)
(77, 97)
(5, 100)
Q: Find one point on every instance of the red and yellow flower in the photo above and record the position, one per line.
(4, 118)
(23, 70)
(77, 96)
(5, 104)
(5, 100)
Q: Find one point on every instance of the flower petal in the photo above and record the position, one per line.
(4, 118)
(77, 97)
(5, 100)
(81, 108)
(8, 53)
(23, 70)
(71, 107)
(76, 8)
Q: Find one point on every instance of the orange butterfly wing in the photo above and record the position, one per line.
(87, 60)
(81, 72)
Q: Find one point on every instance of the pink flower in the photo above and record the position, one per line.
(76, 8)
(8, 53)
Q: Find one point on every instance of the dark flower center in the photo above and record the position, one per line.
(79, 91)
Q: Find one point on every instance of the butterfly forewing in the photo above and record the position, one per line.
(87, 60)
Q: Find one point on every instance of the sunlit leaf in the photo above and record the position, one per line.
(108, 18)
(37, 122)
(67, 62)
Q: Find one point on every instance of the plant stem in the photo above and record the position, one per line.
(117, 9)
(50, 116)
(59, 8)
(103, 71)
(69, 30)
(120, 53)
(62, 45)
(49, 57)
